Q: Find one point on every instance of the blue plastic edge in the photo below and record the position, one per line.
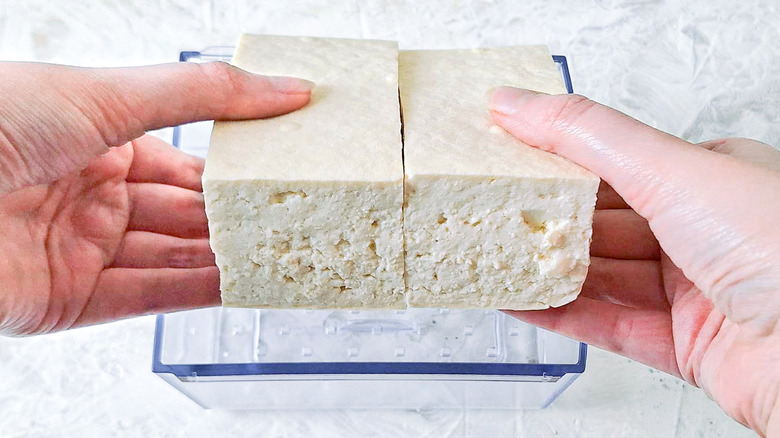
(357, 368)
(561, 60)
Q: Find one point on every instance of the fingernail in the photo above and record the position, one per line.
(290, 85)
(506, 100)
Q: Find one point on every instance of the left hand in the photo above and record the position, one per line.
(98, 221)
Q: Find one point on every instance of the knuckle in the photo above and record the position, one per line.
(730, 143)
(567, 110)
(183, 255)
(187, 205)
(223, 80)
(220, 74)
(622, 332)
(194, 165)
(727, 143)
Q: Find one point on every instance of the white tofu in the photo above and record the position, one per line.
(304, 209)
(489, 221)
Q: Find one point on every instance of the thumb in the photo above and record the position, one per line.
(55, 119)
(713, 214)
(629, 155)
(152, 97)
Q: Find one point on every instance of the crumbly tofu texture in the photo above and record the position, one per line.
(304, 209)
(489, 222)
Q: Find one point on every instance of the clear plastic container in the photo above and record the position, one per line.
(233, 358)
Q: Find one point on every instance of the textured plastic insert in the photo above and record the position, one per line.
(233, 335)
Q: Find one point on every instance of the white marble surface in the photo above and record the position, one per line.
(697, 70)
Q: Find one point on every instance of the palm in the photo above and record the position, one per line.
(710, 351)
(89, 247)
(689, 311)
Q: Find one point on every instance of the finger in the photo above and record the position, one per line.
(633, 158)
(751, 151)
(126, 102)
(124, 292)
(172, 94)
(57, 118)
(608, 198)
(165, 209)
(142, 249)
(703, 207)
(155, 161)
(623, 234)
(631, 283)
(642, 335)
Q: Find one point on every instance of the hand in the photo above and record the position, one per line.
(685, 273)
(95, 226)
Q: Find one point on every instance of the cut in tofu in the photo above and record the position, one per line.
(304, 209)
(489, 221)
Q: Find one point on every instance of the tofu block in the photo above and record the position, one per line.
(489, 222)
(304, 209)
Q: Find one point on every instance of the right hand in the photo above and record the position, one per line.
(685, 274)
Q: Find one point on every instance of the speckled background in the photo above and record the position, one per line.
(698, 70)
